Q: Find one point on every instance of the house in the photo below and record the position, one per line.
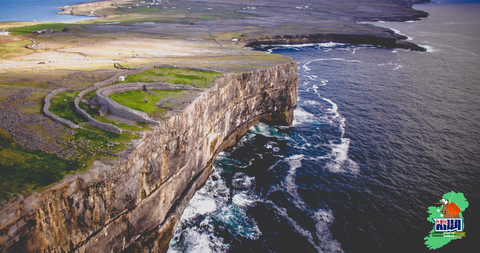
(121, 78)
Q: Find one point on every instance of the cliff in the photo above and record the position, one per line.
(135, 203)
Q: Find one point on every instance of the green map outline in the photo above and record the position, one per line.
(437, 242)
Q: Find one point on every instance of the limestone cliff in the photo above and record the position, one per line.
(135, 204)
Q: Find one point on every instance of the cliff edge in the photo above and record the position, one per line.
(136, 203)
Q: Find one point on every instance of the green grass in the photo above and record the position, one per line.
(199, 79)
(66, 109)
(24, 170)
(93, 112)
(56, 27)
(135, 100)
(13, 49)
(89, 95)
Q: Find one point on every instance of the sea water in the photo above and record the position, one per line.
(36, 10)
(379, 134)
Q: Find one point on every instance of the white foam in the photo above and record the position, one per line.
(320, 239)
(430, 49)
(244, 200)
(268, 131)
(301, 116)
(241, 181)
(213, 200)
(199, 205)
(331, 44)
(295, 162)
(338, 160)
(199, 239)
(323, 241)
(323, 220)
(398, 67)
(239, 222)
(398, 32)
(297, 227)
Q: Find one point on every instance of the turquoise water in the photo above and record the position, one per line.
(36, 10)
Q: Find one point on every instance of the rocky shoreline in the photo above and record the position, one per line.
(393, 41)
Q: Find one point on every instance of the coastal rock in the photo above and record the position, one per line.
(388, 39)
(135, 203)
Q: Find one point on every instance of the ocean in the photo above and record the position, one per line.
(379, 135)
(36, 10)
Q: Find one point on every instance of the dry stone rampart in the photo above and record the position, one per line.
(109, 81)
(55, 117)
(102, 98)
(114, 107)
(94, 122)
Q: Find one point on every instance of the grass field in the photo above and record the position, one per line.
(195, 78)
(139, 126)
(136, 100)
(24, 170)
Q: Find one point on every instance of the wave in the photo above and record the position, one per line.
(321, 239)
(268, 131)
(195, 231)
(211, 207)
(429, 48)
(338, 160)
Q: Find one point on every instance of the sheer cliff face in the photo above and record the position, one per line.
(136, 203)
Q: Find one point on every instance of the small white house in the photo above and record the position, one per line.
(121, 78)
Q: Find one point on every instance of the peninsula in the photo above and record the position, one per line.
(108, 126)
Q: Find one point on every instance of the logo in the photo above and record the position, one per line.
(448, 221)
(448, 225)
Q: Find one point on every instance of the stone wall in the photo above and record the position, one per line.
(141, 197)
(102, 97)
(94, 122)
(109, 81)
(55, 117)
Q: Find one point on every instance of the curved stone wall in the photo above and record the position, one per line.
(102, 96)
(114, 107)
(109, 81)
(55, 117)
